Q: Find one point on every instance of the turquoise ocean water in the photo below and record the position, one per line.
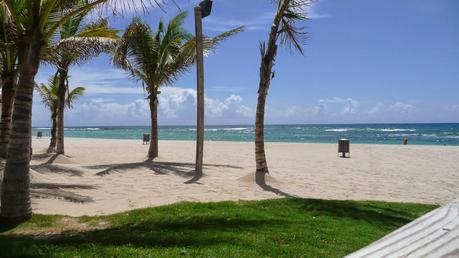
(425, 134)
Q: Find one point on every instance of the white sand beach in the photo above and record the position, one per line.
(108, 176)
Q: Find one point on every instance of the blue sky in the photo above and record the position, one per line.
(366, 61)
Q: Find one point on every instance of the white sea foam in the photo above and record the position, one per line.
(235, 129)
(82, 129)
(430, 135)
(402, 134)
(205, 130)
(397, 130)
(338, 130)
(220, 129)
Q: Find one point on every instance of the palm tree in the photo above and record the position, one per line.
(76, 46)
(49, 96)
(285, 31)
(36, 22)
(159, 59)
(8, 77)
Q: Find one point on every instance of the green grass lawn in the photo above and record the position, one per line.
(271, 228)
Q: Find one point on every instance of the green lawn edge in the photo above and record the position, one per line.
(287, 227)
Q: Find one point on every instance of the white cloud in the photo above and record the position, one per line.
(315, 14)
(176, 106)
(320, 109)
(401, 106)
(379, 106)
(351, 106)
(84, 76)
(178, 102)
(174, 102)
(343, 110)
(223, 24)
(246, 111)
(397, 107)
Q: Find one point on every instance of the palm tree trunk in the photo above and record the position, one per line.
(60, 109)
(8, 92)
(153, 151)
(268, 54)
(260, 156)
(52, 143)
(15, 198)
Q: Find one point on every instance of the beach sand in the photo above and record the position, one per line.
(108, 176)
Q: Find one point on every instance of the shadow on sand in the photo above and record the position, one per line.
(56, 191)
(46, 190)
(185, 170)
(50, 167)
(260, 180)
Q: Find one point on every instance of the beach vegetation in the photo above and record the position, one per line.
(77, 44)
(270, 228)
(158, 58)
(50, 98)
(8, 75)
(36, 24)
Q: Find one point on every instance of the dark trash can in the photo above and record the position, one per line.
(39, 135)
(146, 139)
(344, 148)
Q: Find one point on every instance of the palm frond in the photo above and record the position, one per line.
(8, 40)
(79, 50)
(136, 52)
(210, 44)
(291, 35)
(161, 57)
(74, 95)
(48, 93)
(98, 28)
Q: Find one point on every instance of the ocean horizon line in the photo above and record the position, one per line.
(275, 124)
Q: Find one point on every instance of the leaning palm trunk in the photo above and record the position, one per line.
(283, 29)
(52, 143)
(8, 91)
(60, 110)
(153, 151)
(260, 156)
(267, 62)
(16, 182)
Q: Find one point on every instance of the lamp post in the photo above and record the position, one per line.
(201, 11)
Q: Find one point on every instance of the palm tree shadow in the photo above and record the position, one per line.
(185, 170)
(50, 167)
(195, 179)
(260, 180)
(51, 159)
(41, 156)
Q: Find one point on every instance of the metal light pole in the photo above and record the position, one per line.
(201, 11)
